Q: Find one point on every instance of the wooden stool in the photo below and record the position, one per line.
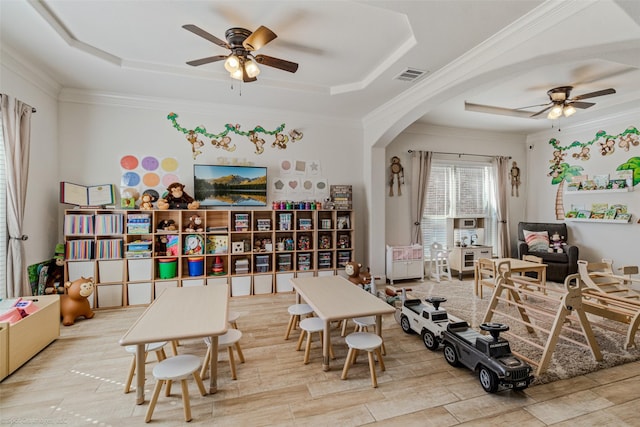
(157, 347)
(308, 327)
(177, 368)
(229, 340)
(362, 325)
(368, 342)
(295, 311)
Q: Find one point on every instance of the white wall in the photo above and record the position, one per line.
(97, 130)
(41, 220)
(449, 140)
(618, 242)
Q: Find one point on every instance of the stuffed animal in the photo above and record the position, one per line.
(177, 199)
(365, 278)
(556, 243)
(146, 201)
(167, 225)
(55, 272)
(74, 302)
(353, 271)
(195, 224)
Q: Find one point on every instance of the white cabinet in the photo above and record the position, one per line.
(405, 262)
(462, 259)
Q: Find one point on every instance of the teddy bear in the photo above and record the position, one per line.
(195, 224)
(556, 243)
(74, 303)
(177, 198)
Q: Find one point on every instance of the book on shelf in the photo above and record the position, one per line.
(623, 217)
(620, 208)
(625, 174)
(610, 214)
(599, 207)
(597, 215)
(601, 181)
(584, 214)
(588, 184)
(617, 184)
(87, 196)
(571, 214)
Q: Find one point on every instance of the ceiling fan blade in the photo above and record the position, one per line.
(582, 104)
(259, 38)
(541, 111)
(594, 94)
(533, 106)
(479, 108)
(207, 60)
(202, 33)
(281, 64)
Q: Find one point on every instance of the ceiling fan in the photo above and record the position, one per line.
(241, 63)
(560, 104)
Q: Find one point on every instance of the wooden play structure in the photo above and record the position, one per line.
(610, 296)
(510, 291)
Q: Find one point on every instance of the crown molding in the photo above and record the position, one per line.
(21, 67)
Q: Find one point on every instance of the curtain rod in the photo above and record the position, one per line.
(459, 154)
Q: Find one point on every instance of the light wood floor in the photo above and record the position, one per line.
(78, 380)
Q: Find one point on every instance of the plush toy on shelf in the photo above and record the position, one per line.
(195, 224)
(556, 243)
(177, 198)
(146, 202)
(74, 303)
(55, 272)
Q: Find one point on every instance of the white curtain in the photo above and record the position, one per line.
(502, 206)
(16, 131)
(420, 170)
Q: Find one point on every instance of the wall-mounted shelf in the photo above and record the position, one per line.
(583, 192)
(608, 221)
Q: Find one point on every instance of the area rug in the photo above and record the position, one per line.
(569, 359)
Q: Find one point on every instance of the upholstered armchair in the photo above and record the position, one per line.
(559, 265)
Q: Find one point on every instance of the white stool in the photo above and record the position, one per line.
(174, 369)
(229, 340)
(308, 327)
(295, 311)
(363, 324)
(157, 347)
(233, 317)
(368, 342)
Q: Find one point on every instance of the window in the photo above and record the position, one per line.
(459, 190)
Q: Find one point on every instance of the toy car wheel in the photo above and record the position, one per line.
(404, 323)
(450, 355)
(488, 380)
(430, 341)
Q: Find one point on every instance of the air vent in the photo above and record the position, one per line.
(410, 75)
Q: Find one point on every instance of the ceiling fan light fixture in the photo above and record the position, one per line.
(232, 64)
(237, 74)
(251, 68)
(555, 112)
(569, 110)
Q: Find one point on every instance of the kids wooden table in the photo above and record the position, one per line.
(335, 298)
(180, 313)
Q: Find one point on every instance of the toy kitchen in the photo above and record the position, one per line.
(467, 244)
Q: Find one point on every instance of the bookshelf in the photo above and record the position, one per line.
(133, 255)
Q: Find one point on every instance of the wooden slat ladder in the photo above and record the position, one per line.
(562, 303)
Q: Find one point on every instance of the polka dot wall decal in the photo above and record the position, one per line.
(308, 185)
(150, 163)
(321, 185)
(151, 179)
(130, 179)
(286, 165)
(169, 164)
(169, 178)
(129, 162)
